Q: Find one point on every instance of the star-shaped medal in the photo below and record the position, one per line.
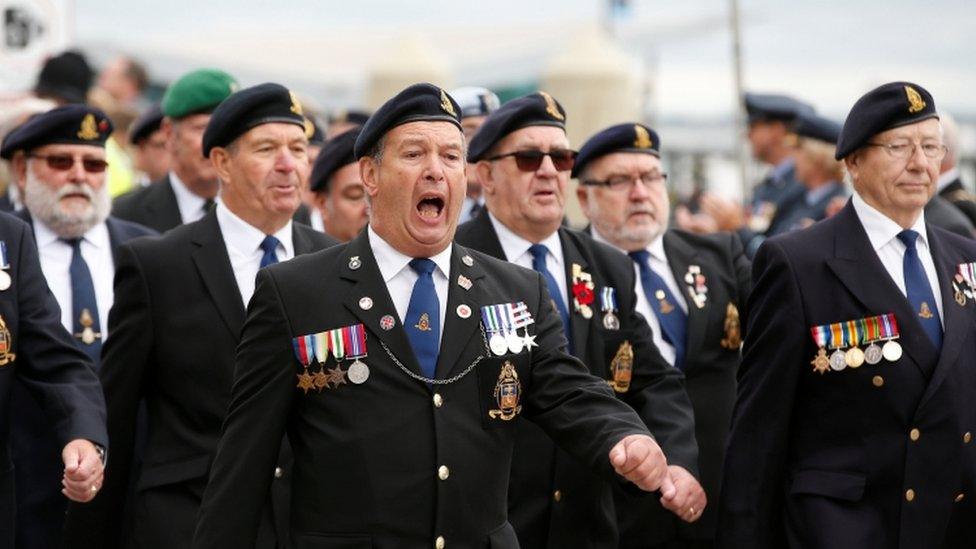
(305, 382)
(337, 376)
(529, 341)
(321, 380)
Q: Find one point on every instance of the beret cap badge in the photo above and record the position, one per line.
(643, 140)
(89, 130)
(446, 104)
(551, 107)
(915, 101)
(296, 105)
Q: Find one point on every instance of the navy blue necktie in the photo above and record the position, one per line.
(539, 253)
(268, 246)
(673, 320)
(423, 320)
(84, 307)
(919, 290)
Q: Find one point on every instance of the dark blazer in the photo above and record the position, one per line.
(34, 442)
(827, 460)
(795, 213)
(44, 359)
(395, 463)
(174, 329)
(710, 370)
(941, 213)
(583, 514)
(154, 206)
(962, 199)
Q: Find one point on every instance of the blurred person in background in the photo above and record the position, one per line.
(476, 104)
(65, 78)
(150, 158)
(343, 120)
(951, 186)
(337, 188)
(125, 79)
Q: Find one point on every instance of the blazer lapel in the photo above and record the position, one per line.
(358, 268)
(300, 241)
(459, 331)
(680, 256)
(857, 266)
(165, 210)
(580, 327)
(484, 233)
(211, 259)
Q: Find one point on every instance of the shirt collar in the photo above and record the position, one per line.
(184, 197)
(656, 249)
(949, 176)
(97, 236)
(880, 228)
(515, 246)
(391, 261)
(246, 238)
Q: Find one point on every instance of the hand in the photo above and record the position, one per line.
(698, 223)
(83, 471)
(728, 215)
(640, 460)
(688, 500)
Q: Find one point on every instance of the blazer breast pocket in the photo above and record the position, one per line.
(501, 389)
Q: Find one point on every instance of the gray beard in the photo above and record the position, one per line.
(44, 204)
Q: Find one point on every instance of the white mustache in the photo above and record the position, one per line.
(72, 188)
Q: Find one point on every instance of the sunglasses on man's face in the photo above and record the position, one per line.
(64, 162)
(530, 160)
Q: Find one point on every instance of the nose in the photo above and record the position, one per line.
(77, 173)
(639, 190)
(286, 161)
(547, 168)
(434, 170)
(917, 160)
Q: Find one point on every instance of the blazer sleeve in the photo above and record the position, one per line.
(742, 267)
(59, 375)
(261, 401)
(755, 462)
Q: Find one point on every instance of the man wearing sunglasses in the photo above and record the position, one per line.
(58, 163)
(696, 321)
(523, 160)
(176, 323)
(856, 404)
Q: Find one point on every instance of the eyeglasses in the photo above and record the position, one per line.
(64, 162)
(620, 183)
(529, 161)
(905, 149)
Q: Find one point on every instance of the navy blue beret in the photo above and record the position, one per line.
(767, 106)
(146, 124)
(417, 103)
(635, 138)
(536, 109)
(74, 124)
(250, 107)
(814, 126)
(335, 154)
(883, 108)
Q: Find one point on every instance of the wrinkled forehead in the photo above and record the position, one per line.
(623, 163)
(431, 133)
(537, 137)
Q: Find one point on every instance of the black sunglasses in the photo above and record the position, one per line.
(64, 162)
(529, 161)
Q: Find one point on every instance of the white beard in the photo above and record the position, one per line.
(44, 204)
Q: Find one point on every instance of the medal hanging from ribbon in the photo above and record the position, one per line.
(321, 341)
(305, 352)
(4, 267)
(851, 335)
(358, 370)
(608, 305)
(964, 283)
(502, 322)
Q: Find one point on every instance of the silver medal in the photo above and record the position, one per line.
(610, 321)
(891, 351)
(873, 354)
(515, 342)
(358, 372)
(498, 344)
(4, 280)
(838, 360)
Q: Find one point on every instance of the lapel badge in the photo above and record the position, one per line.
(464, 282)
(366, 303)
(4, 267)
(622, 368)
(355, 263)
(582, 291)
(387, 323)
(467, 260)
(733, 331)
(464, 311)
(608, 305)
(697, 289)
(6, 344)
(508, 392)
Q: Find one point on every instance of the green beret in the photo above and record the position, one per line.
(198, 92)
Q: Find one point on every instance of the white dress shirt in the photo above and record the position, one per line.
(55, 255)
(883, 234)
(399, 277)
(659, 264)
(516, 251)
(243, 242)
(190, 205)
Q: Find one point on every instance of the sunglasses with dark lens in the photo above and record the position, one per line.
(529, 161)
(64, 162)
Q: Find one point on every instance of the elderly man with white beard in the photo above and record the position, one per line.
(58, 163)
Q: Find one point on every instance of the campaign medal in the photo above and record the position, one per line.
(820, 361)
(582, 291)
(854, 357)
(608, 305)
(964, 283)
(622, 368)
(320, 342)
(304, 350)
(891, 350)
(733, 331)
(4, 267)
(358, 371)
(508, 392)
(492, 322)
(697, 290)
(838, 359)
(502, 322)
(6, 344)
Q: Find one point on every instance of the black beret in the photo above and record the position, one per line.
(536, 109)
(883, 108)
(73, 124)
(418, 103)
(635, 138)
(336, 153)
(768, 106)
(146, 124)
(66, 76)
(318, 136)
(813, 126)
(243, 110)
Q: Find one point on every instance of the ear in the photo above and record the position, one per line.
(483, 171)
(851, 162)
(583, 195)
(319, 200)
(19, 163)
(220, 158)
(166, 126)
(369, 174)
